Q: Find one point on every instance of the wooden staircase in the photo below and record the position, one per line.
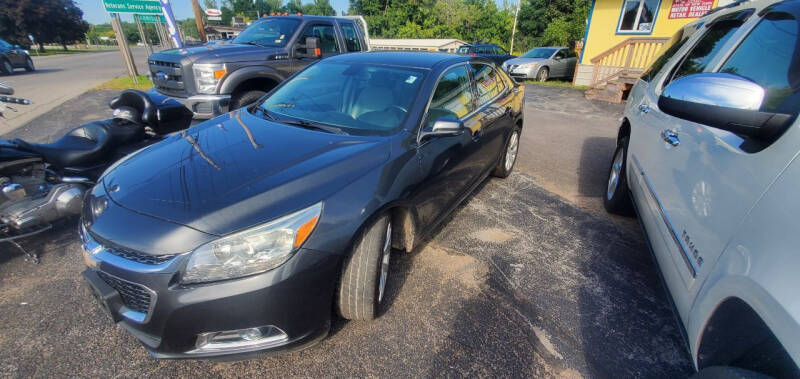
(617, 69)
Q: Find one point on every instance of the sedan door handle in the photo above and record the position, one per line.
(671, 137)
(644, 108)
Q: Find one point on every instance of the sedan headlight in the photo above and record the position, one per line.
(207, 76)
(530, 65)
(252, 251)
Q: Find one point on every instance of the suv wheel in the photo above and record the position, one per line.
(366, 271)
(506, 164)
(29, 65)
(7, 68)
(246, 98)
(617, 199)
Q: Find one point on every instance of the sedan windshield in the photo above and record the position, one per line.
(272, 32)
(350, 97)
(539, 53)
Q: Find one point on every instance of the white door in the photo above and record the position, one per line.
(706, 179)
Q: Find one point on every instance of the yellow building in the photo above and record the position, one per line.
(624, 36)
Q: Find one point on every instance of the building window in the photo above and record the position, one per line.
(638, 16)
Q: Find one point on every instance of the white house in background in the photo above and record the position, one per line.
(448, 45)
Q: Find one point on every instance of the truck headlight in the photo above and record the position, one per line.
(252, 251)
(207, 76)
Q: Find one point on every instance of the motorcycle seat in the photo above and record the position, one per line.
(86, 145)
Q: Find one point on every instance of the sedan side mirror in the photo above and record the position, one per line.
(444, 127)
(724, 101)
(310, 49)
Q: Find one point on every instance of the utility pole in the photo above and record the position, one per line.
(198, 19)
(124, 48)
(514, 30)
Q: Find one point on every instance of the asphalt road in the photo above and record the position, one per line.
(59, 78)
(526, 279)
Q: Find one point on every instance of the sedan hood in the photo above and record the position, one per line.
(219, 53)
(523, 61)
(240, 170)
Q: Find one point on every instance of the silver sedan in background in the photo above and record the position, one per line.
(543, 63)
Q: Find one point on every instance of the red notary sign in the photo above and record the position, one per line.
(690, 8)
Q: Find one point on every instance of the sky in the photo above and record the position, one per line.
(94, 13)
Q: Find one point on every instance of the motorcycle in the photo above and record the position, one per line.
(43, 183)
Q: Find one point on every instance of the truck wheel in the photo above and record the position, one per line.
(365, 272)
(616, 199)
(246, 98)
(727, 372)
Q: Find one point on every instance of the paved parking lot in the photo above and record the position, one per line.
(528, 278)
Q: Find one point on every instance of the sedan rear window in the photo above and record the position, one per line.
(357, 98)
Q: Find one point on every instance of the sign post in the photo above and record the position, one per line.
(124, 48)
(142, 35)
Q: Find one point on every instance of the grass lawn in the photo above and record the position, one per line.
(556, 83)
(48, 52)
(125, 82)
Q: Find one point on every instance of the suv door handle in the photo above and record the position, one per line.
(644, 108)
(671, 137)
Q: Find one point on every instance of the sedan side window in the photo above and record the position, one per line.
(488, 84)
(452, 97)
(768, 57)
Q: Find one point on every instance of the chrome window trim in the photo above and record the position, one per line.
(421, 125)
(667, 221)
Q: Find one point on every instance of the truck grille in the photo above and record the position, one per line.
(136, 297)
(167, 77)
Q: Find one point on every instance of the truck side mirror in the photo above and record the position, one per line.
(311, 47)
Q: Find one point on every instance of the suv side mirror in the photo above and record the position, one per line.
(311, 47)
(444, 127)
(724, 101)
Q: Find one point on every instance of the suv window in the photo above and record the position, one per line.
(351, 40)
(768, 57)
(488, 84)
(452, 97)
(670, 48)
(326, 35)
(706, 49)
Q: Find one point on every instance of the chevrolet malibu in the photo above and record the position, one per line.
(243, 233)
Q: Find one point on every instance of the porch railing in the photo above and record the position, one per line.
(632, 55)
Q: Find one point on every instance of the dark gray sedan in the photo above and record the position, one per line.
(543, 63)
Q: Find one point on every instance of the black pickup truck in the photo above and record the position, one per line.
(215, 78)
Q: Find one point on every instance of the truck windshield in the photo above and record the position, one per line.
(273, 32)
(539, 53)
(354, 98)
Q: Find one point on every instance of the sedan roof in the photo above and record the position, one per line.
(407, 59)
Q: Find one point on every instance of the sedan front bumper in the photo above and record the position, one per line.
(293, 302)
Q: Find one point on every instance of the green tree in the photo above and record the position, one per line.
(48, 21)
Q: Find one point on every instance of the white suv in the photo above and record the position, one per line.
(706, 155)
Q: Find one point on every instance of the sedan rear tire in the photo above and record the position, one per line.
(29, 65)
(506, 164)
(365, 273)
